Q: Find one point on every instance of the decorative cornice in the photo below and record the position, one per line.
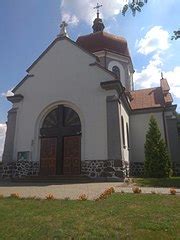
(22, 81)
(117, 85)
(113, 85)
(15, 98)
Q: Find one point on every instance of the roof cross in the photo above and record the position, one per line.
(98, 7)
(162, 75)
(63, 32)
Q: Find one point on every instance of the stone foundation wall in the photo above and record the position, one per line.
(136, 169)
(176, 169)
(92, 169)
(104, 169)
(20, 169)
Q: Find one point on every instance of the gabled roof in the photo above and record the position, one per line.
(53, 43)
(150, 98)
(147, 98)
(50, 46)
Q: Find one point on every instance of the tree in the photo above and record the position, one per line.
(134, 6)
(157, 162)
(176, 35)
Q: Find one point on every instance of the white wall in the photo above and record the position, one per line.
(63, 76)
(139, 124)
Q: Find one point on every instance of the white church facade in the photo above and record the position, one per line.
(77, 113)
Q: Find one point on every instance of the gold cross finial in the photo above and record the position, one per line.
(98, 7)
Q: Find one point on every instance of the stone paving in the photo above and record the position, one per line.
(71, 191)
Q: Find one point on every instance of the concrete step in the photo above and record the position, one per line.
(63, 179)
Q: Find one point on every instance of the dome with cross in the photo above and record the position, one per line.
(100, 40)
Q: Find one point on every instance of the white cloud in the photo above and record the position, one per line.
(156, 39)
(156, 42)
(2, 138)
(151, 74)
(174, 81)
(70, 19)
(83, 9)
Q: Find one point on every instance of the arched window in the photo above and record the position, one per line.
(51, 120)
(123, 135)
(116, 70)
(61, 115)
(127, 132)
(71, 118)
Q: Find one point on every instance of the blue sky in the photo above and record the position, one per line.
(28, 27)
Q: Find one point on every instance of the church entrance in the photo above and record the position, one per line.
(61, 143)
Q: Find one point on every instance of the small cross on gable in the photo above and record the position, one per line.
(63, 32)
(63, 25)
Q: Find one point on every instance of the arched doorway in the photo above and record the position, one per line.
(61, 142)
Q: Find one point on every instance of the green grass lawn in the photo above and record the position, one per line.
(121, 216)
(158, 182)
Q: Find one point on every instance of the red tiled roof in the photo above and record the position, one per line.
(149, 98)
(104, 41)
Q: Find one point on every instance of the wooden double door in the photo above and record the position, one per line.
(61, 143)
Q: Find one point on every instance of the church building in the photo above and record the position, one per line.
(76, 113)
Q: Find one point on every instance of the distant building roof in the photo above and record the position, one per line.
(151, 97)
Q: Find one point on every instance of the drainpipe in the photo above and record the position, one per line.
(165, 130)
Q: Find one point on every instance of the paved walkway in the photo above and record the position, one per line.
(72, 191)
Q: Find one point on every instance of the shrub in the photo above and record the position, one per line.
(15, 195)
(50, 197)
(172, 191)
(1, 196)
(136, 190)
(153, 192)
(106, 193)
(157, 162)
(83, 197)
(66, 198)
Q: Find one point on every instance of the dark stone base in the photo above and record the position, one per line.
(20, 169)
(136, 169)
(91, 168)
(104, 169)
(176, 169)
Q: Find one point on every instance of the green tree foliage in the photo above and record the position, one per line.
(157, 162)
(134, 6)
(176, 35)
